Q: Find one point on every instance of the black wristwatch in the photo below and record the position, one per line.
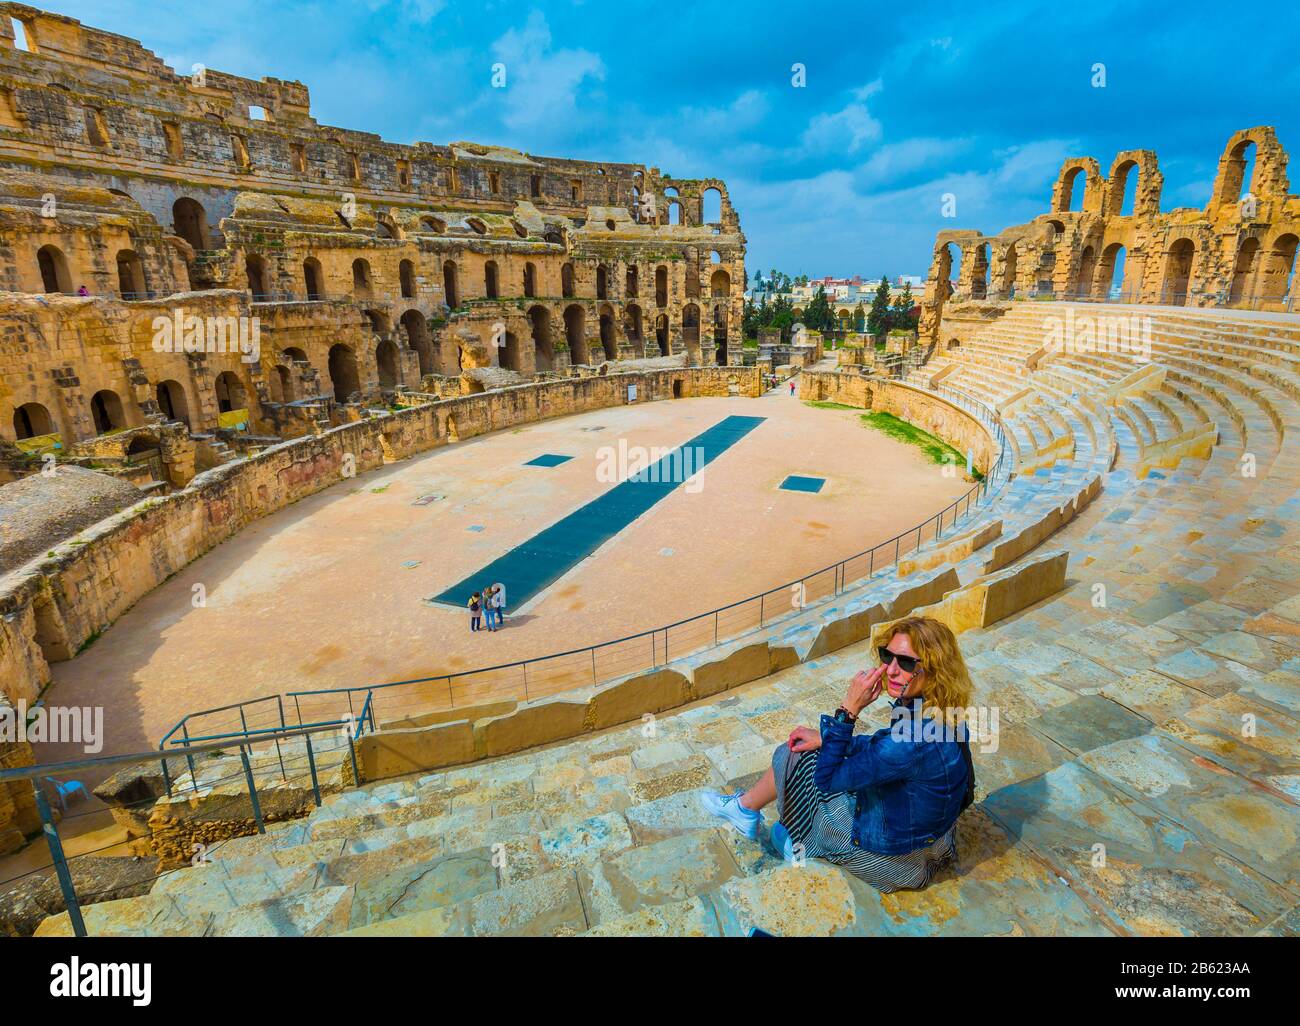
(842, 715)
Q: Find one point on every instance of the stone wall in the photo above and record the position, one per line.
(932, 413)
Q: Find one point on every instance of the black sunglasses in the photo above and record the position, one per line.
(907, 664)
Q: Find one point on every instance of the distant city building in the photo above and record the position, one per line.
(842, 291)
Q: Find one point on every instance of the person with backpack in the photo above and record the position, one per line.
(475, 611)
(499, 603)
(883, 805)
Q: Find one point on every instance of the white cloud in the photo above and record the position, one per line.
(542, 85)
(901, 158)
(847, 129)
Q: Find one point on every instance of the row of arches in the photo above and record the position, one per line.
(56, 277)
(258, 281)
(108, 413)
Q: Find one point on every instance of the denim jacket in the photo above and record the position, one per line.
(909, 788)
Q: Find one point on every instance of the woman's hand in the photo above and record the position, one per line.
(804, 739)
(864, 689)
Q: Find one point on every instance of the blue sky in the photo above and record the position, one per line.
(902, 103)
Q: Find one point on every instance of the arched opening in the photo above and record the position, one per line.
(384, 230)
(417, 337)
(508, 352)
(661, 286)
(1244, 270)
(607, 342)
(544, 351)
(691, 325)
(1178, 272)
(979, 281)
(633, 326)
(313, 278)
(130, 275)
(720, 334)
(566, 281)
(343, 373)
(361, 281)
(386, 361)
(231, 393)
(712, 207)
(631, 282)
(575, 334)
(1010, 259)
(295, 354)
(491, 287)
(1110, 274)
(1279, 272)
(449, 284)
(255, 272)
(281, 382)
(661, 335)
(1087, 266)
(720, 284)
(32, 420)
(54, 270)
(190, 222)
(106, 412)
(602, 282)
(1072, 192)
(1240, 172)
(1124, 186)
(406, 276)
(674, 213)
(530, 281)
(172, 401)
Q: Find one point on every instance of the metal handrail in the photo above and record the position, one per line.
(660, 650)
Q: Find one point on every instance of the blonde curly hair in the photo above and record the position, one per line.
(946, 686)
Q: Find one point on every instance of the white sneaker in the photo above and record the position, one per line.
(728, 807)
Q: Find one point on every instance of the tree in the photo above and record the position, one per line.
(859, 318)
(819, 316)
(758, 280)
(902, 313)
(878, 318)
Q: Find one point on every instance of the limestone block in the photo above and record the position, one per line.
(740, 667)
(392, 753)
(528, 726)
(847, 630)
(954, 550)
(630, 699)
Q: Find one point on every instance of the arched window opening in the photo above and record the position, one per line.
(544, 353)
(406, 276)
(361, 282)
(530, 281)
(130, 275)
(386, 363)
(172, 401)
(449, 284)
(602, 282)
(490, 286)
(343, 373)
(54, 270)
(231, 393)
(32, 420)
(191, 222)
(566, 281)
(313, 278)
(661, 286)
(575, 330)
(255, 272)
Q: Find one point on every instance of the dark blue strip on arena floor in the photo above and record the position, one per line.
(795, 483)
(539, 562)
(547, 459)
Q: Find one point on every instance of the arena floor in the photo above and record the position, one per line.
(335, 590)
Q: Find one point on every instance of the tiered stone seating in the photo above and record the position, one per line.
(1124, 796)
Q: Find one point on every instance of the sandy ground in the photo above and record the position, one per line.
(320, 596)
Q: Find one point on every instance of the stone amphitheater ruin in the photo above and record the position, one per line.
(1125, 579)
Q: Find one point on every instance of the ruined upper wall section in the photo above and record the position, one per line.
(1094, 244)
(100, 103)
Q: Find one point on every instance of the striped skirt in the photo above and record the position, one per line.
(823, 824)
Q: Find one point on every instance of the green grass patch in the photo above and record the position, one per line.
(936, 449)
(823, 404)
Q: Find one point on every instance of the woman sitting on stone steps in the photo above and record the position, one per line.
(882, 805)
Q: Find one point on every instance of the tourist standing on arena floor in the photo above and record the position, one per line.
(499, 603)
(882, 805)
(489, 613)
(475, 606)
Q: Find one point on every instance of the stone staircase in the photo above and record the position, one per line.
(1146, 778)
